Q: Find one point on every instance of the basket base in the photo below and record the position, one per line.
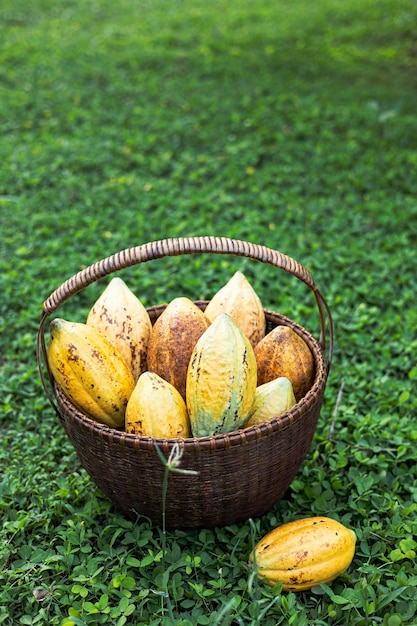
(233, 492)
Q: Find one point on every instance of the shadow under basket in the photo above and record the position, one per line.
(235, 476)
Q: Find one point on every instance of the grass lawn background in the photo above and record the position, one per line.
(291, 125)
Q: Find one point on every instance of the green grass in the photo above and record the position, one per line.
(292, 125)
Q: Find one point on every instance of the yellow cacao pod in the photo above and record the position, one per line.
(90, 371)
(121, 317)
(282, 352)
(271, 399)
(156, 409)
(304, 553)
(172, 340)
(221, 379)
(238, 299)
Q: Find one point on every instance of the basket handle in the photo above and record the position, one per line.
(176, 247)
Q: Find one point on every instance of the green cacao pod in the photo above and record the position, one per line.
(271, 399)
(221, 379)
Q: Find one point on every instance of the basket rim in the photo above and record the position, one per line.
(222, 440)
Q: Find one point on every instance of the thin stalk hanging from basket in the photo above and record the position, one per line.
(172, 464)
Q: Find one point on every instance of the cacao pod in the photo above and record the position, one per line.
(90, 371)
(172, 340)
(156, 409)
(304, 553)
(271, 399)
(282, 352)
(221, 379)
(238, 299)
(121, 317)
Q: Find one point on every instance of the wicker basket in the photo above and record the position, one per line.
(238, 475)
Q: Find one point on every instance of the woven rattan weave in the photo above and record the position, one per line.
(238, 475)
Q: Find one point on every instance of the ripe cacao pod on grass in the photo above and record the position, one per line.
(304, 553)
